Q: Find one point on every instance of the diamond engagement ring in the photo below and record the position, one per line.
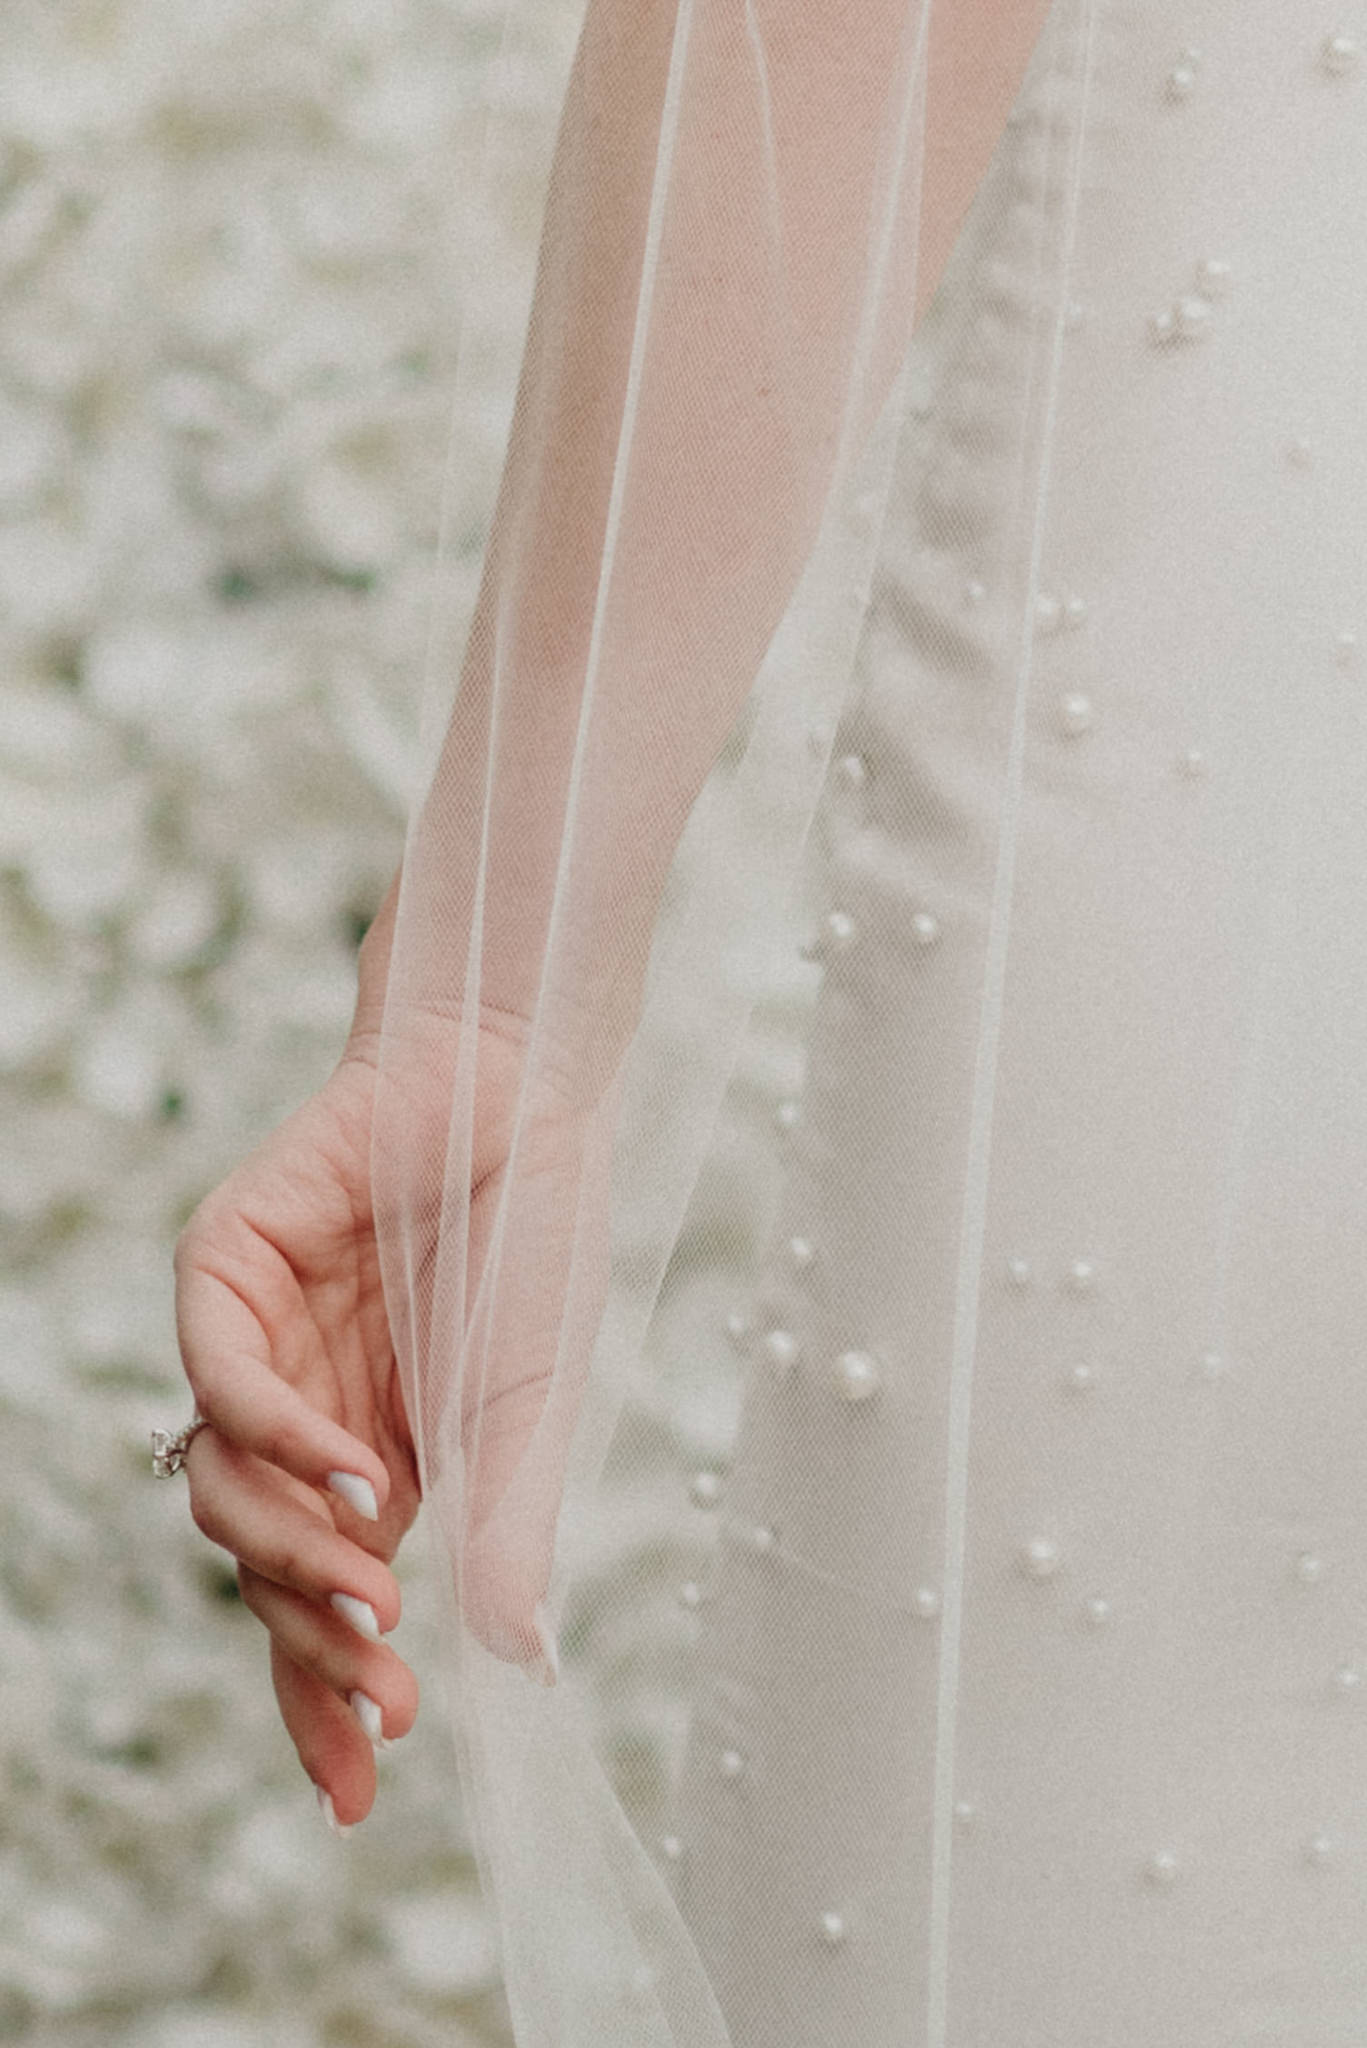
(168, 1452)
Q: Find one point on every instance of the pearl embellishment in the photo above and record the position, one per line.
(926, 1601)
(762, 1539)
(1098, 1611)
(1075, 711)
(1018, 1271)
(1161, 1868)
(852, 770)
(1309, 1568)
(781, 1349)
(1040, 1557)
(1319, 1848)
(856, 1376)
(1079, 1378)
(1081, 1276)
(671, 1847)
(801, 1252)
(737, 1325)
(731, 1763)
(832, 1929)
(1347, 1678)
(704, 1489)
(788, 1113)
(1339, 54)
(925, 928)
(690, 1594)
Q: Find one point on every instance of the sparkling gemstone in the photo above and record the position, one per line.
(690, 1594)
(730, 1763)
(926, 1601)
(1319, 1848)
(925, 928)
(1098, 1611)
(856, 1375)
(1018, 1270)
(1079, 1378)
(852, 770)
(1181, 82)
(1040, 1557)
(1213, 274)
(1348, 1678)
(671, 1847)
(1191, 762)
(801, 1252)
(788, 1113)
(1161, 1867)
(832, 1929)
(1339, 54)
(1075, 711)
(704, 1489)
(1081, 1276)
(1309, 1567)
(781, 1349)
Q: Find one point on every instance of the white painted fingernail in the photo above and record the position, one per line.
(329, 1813)
(546, 1668)
(359, 1613)
(367, 1712)
(357, 1492)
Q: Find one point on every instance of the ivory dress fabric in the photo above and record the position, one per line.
(1032, 1692)
(1028, 1706)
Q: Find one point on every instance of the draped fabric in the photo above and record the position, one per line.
(977, 671)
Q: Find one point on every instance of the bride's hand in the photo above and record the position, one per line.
(285, 1342)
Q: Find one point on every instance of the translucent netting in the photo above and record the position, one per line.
(727, 554)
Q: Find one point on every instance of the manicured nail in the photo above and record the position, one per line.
(367, 1712)
(357, 1492)
(359, 1613)
(329, 1813)
(546, 1668)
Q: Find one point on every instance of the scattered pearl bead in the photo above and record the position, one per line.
(731, 1763)
(1075, 711)
(965, 1812)
(1191, 762)
(1162, 326)
(1213, 274)
(1081, 1275)
(704, 1489)
(1346, 647)
(1018, 1270)
(1347, 1678)
(926, 1601)
(1040, 1557)
(788, 1113)
(975, 590)
(671, 1847)
(852, 770)
(925, 928)
(801, 1252)
(856, 1376)
(1098, 1611)
(1079, 1378)
(690, 1594)
(1181, 82)
(832, 1929)
(1161, 1867)
(1319, 1848)
(1075, 610)
(1309, 1567)
(1048, 612)
(1193, 316)
(1212, 1365)
(1339, 54)
(762, 1539)
(781, 1349)
(737, 1325)
(840, 930)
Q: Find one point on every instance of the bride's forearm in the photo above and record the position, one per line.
(734, 437)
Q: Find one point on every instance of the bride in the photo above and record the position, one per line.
(1028, 1683)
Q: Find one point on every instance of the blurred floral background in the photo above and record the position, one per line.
(229, 311)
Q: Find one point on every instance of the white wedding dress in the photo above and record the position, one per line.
(1029, 1697)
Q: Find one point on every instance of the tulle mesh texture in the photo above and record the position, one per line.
(818, 739)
